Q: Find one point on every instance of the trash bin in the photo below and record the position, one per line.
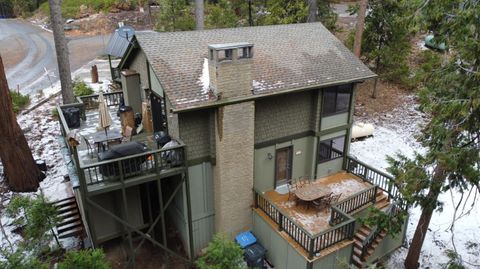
(245, 239)
(255, 256)
(72, 117)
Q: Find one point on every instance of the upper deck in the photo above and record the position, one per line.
(103, 176)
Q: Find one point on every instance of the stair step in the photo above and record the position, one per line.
(72, 232)
(361, 237)
(68, 220)
(66, 200)
(382, 205)
(67, 208)
(65, 203)
(356, 261)
(68, 214)
(69, 226)
(357, 251)
(364, 230)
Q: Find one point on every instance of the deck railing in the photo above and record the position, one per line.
(343, 229)
(384, 181)
(353, 203)
(119, 169)
(91, 101)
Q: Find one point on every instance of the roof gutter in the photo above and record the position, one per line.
(260, 96)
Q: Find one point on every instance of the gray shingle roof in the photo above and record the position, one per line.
(286, 57)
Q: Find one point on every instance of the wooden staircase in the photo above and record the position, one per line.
(71, 222)
(359, 258)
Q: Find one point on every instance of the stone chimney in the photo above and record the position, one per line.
(230, 69)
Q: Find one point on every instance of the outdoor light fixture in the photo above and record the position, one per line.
(269, 156)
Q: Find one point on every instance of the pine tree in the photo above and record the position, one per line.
(451, 97)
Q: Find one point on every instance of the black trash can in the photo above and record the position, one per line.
(161, 138)
(255, 256)
(72, 117)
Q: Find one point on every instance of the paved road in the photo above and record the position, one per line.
(27, 50)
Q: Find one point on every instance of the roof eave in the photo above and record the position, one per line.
(259, 96)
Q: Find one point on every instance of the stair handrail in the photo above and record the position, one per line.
(374, 232)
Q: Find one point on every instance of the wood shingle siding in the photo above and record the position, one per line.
(283, 116)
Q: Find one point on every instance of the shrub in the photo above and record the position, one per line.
(222, 253)
(84, 259)
(20, 260)
(19, 101)
(37, 217)
(80, 88)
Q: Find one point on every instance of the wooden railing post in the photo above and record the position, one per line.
(280, 221)
(311, 248)
(364, 173)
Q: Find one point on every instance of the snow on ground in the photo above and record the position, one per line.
(41, 131)
(395, 133)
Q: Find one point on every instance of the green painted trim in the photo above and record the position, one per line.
(283, 139)
(334, 130)
(133, 44)
(148, 75)
(253, 97)
(206, 159)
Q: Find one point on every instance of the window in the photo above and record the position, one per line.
(331, 149)
(336, 100)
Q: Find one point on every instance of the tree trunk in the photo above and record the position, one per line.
(357, 45)
(21, 171)
(312, 11)
(62, 51)
(199, 18)
(411, 261)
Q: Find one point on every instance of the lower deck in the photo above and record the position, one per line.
(310, 235)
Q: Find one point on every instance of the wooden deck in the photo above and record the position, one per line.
(308, 217)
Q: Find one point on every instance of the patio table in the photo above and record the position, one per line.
(111, 135)
(312, 192)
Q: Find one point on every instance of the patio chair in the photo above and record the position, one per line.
(87, 143)
(321, 204)
(335, 198)
(292, 187)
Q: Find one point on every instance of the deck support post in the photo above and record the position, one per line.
(84, 194)
(125, 212)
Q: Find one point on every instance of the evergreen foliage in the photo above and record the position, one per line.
(221, 253)
(175, 16)
(84, 259)
(386, 40)
(451, 96)
(19, 101)
(20, 260)
(80, 88)
(37, 217)
(285, 12)
(221, 15)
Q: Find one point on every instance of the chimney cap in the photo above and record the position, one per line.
(227, 46)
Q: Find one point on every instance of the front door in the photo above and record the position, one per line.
(283, 165)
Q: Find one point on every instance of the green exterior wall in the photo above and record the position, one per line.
(105, 227)
(155, 85)
(202, 202)
(339, 259)
(302, 165)
(280, 252)
(334, 121)
(139, 64)
(282, 116)
(177, 213)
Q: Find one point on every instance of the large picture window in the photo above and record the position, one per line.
(336, 100)
(331, 149)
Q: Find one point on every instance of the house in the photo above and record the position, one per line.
(252, 108)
